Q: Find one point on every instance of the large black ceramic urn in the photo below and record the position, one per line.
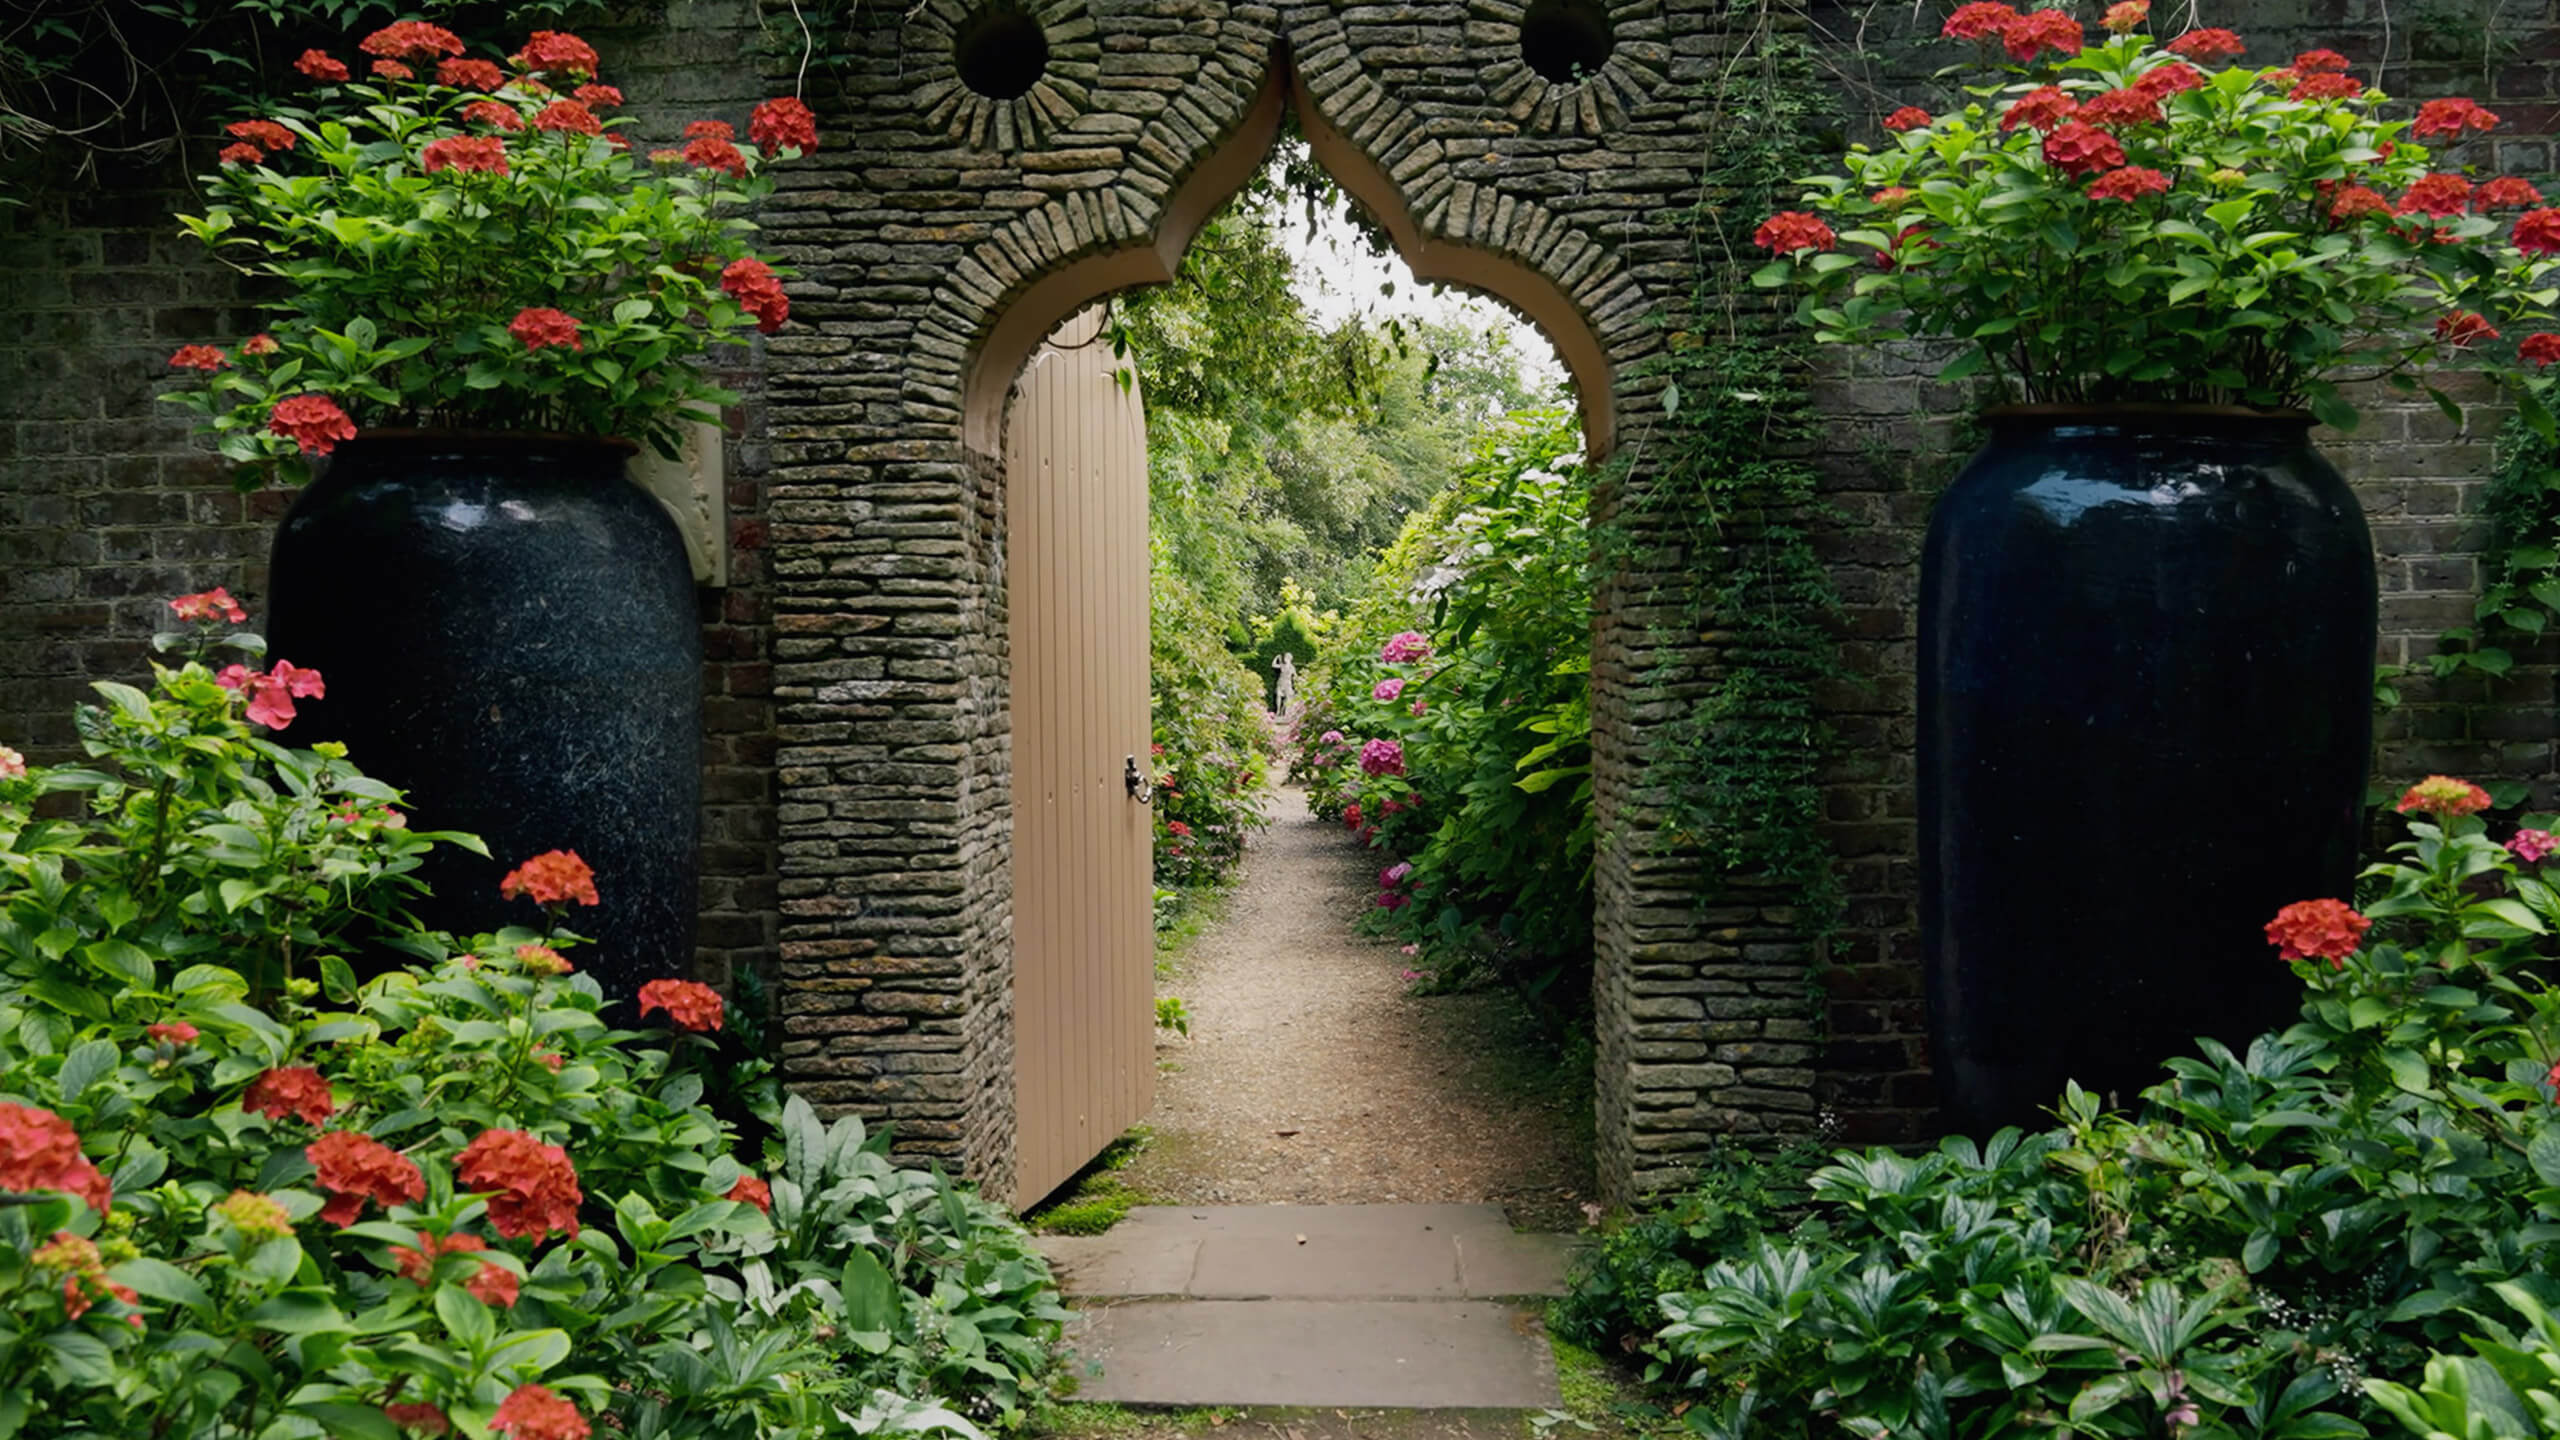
(508, 632)
(2146, 667)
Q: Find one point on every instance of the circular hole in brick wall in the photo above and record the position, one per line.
(1001, 52)
(1566, 40)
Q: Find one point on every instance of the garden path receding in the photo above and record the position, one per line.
(1314, 1075)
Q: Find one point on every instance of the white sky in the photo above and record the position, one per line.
(1338, 277)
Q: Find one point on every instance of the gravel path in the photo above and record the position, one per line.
(1312, 1077)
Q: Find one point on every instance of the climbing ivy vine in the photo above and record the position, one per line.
(1730, 484)
(2520, 570)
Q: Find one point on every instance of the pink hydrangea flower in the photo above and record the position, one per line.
(2530, 846)
(1388, 689)
(1405, 647)
(1394, 875)
(1331, 737)
(1382, 757)
(1419, 707)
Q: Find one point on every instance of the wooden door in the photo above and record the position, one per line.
(1083, 932)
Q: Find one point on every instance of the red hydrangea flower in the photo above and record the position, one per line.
(242, 153)
(2206, 44)
(423, 1419)
(40, 1151)
(13, 766)
(486, 154)
(710, 154)
(497, 115)
(751, 283)
(494, 1285)
(319, 66)
(2162, 81)
(2462, 329)
(2437, 195)
(554, 52)
(2077, 149)
(356, 1168)
(266, 134)
(2320, 62)
(411, 40)
(711, 130)
(2451, 117)
(1979, 20)
(393, 70)
(272, 694)
(1909, 117)
(2042, 108)
(1177, 829)
(598, 97)
(2327, 87)
(751, 1191)
(294, 1090)
(171, 1032)
(2443, 796)
(2130, 183)
(2506, 192)
(2125, 16)
(692, 1006)
(199, 357)
(2030, 35)
(1351, 815)
(2317, 930)
(538, 327)
(213, 604)
(536, 1187)
(1889, 196)
(783, 121)
(2541, 349)
(2121, 109)
(535, 1413)
(554, 877)
(259, 344)
(2530, 846)
(481, 75)
(568, 117)
(2538, 232)
(2356, 200)
(1791, 232)
(542, 960)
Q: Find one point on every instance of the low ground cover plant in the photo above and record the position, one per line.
(2304, 1238)
(243, 1192)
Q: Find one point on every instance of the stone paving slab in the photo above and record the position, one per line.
(1311, 1252)
(1422, 1354)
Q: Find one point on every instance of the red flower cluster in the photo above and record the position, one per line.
(265, 134)
(485, 154)
(536, 1187)
(2356, 200)
(2541, 349)
(491, 1283)
(1890, 196)
(541, 326)
(355, 1168)
(2207, 44)
(259, 344)
(598, 97)
(272, 694)
(1909, 117)
(319, 66)
(497, 115)
(480, 75)
(2443, 796)
(2130, 183)
(542, 960)
(783, 122)
(172, 1032)
(393, 70)
(424, 1419)
(2077, 149)
(1979, 20)
(2538, 232)
(2439, 195)
(2043, 107)
(554, 877)
(1791, 232)
(40, 1151)
(411, 40)
(2461, 330)
(2327, 87)
(751, 1191)
(712, 153)
(294, 1090)
(751, 283)
(2124, 16)
(535, 1413)
(2162, 81)
(2030, 35)
(2121, 109)
(243, 153)
(2450, 118)
(554, 52)
(568, 117)
(84, 1274)
(2506, 192)
(2317, 930)
(2320, 62)
(692, 1006)
(213, 604)
(200, 357)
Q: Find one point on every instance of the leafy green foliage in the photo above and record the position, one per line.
(2520, 594)
(2273, 1226)
(1488, 799)
(178, 922)
(1212, 740)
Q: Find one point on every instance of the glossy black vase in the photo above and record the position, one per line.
(2146, 670)
(508, 633)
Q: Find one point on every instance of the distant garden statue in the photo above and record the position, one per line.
(1285, 694)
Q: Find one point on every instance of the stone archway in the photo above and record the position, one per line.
(981, 200)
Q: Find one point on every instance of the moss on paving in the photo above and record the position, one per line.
(1096, 1199)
